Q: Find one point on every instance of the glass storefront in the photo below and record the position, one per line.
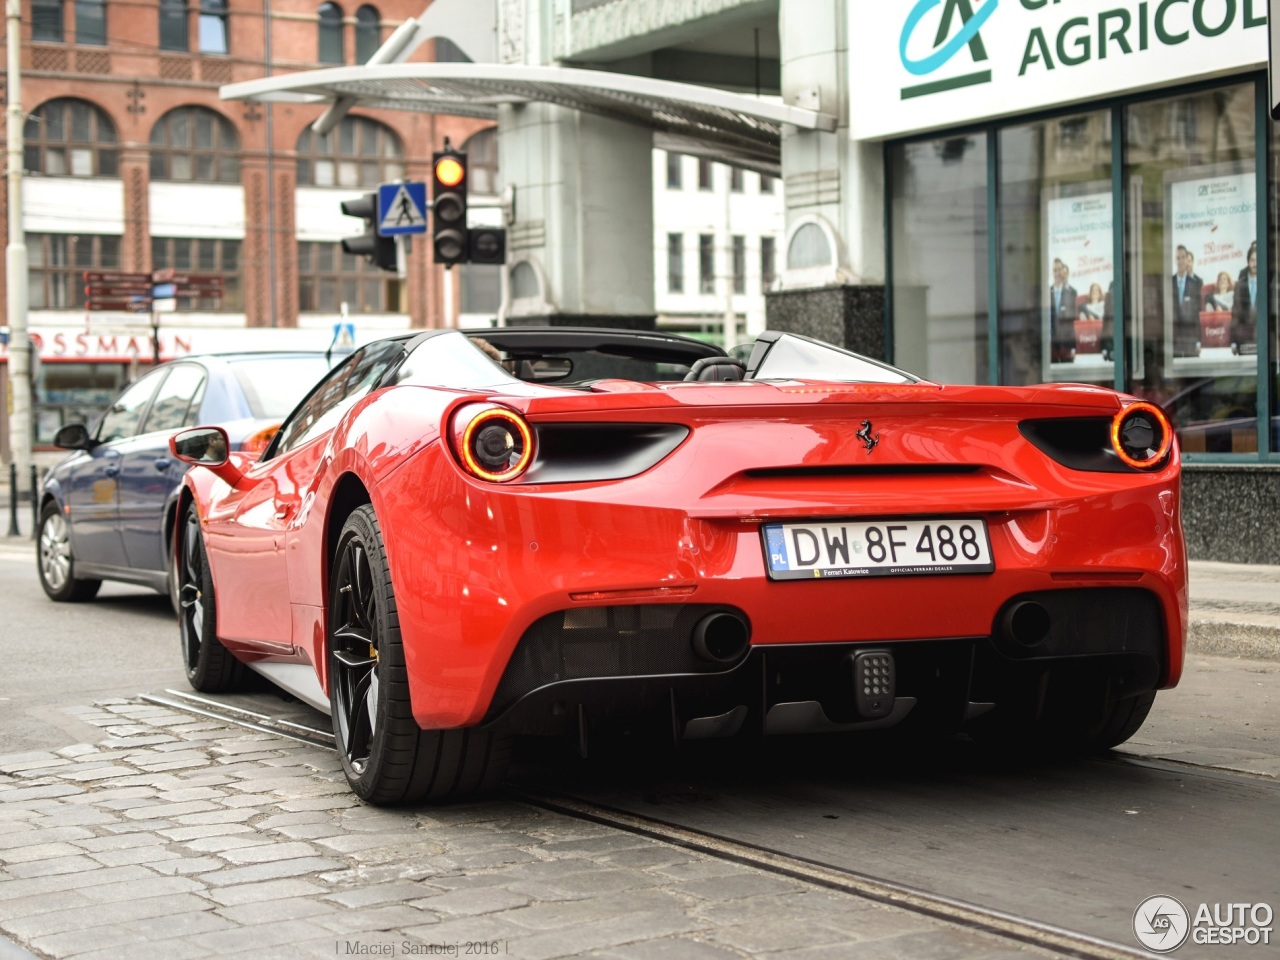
(1131, 264)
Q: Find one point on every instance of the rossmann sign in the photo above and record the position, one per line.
(925, 64)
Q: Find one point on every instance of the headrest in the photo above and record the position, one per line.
(716, 369)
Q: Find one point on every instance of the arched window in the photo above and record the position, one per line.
(195, 143)
(174, 32)
(213, 26)
(69, 137)
(482, 162)
(358, 152)
(809, 248)
(368, 33)
(46, 21)
(331, 38)
(91, 22)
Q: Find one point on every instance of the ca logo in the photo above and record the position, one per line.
(945, 44)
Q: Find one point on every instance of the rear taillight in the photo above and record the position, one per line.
(256, 443)
(493, 443)
(1141, 435)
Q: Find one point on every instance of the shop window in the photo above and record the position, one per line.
(1192, 302)
(1056, 269)
(331, 34)
(73, 393)
(91, 22)
(207, 257)
(212, 28)
(174, 33)
(358, 152)
(46, 21)
(195, 143)
(675, 263)
(368, 33)
(70, 138)
(328, 278)
(56, 262)
(938, 238)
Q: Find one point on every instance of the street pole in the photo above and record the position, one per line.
(16, 253)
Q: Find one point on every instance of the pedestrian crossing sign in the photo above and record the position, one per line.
(402, 208)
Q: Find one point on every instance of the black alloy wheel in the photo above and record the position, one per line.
(386, 756)
(210, 666)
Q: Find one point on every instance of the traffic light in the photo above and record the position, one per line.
(450, 239)
(488, 245)
(380, 250)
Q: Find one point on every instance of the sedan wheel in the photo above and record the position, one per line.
(57, 565)
(210, 666)
(386, 756)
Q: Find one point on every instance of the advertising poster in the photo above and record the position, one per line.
(1210, 299)
(1078, 269)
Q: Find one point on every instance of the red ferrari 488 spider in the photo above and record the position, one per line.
(454, 540)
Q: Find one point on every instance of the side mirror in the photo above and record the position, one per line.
(201, 446)
(206, 447)
(74, 436)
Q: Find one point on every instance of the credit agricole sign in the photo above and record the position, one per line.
(925, 64)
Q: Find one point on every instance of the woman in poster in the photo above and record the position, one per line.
(1096, 306)
(1224, 293)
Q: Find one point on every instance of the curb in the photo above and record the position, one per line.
(1232, 638)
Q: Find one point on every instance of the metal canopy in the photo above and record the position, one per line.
(701, 120)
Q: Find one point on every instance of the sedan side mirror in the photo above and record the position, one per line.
(74, 436)
(206, 447)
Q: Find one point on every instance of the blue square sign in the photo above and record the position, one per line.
(402, 208)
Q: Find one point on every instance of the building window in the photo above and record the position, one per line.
(735, 179)
(368, 33)
(482, 162)
(91, 22)
(207, 257)
(675, 178)
(46, 21)
(174, 32)
(331, 34)
(56, 262)
(328, 278)
(195, 143)
(358, 152)
(768, 262)
(213, 26)
(675, 263)
(706, 263)
(766, 183)
(739, 248)
(704, 174)
(70, 138)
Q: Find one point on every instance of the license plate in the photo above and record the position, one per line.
(876, 548)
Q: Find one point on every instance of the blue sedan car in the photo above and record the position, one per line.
(107, 510)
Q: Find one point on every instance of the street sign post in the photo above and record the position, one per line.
(402, 209)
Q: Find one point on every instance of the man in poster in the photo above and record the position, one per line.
(1244, 308)
(1186, 305)
(1062, 315)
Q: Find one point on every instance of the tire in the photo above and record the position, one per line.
(1092, 728)
(55, 561)
(1120, 721)
(388, 759)
(210, 666)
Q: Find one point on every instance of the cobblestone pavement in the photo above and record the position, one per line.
(177, 837)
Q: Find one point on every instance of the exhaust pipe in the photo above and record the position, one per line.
(1026, 623)
(720, 637)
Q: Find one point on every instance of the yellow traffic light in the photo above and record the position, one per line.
(449, 172)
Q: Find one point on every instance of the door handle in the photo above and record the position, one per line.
(163, 464)
(111, 470)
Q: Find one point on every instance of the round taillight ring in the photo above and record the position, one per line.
(496, 445)
(1141, 435)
